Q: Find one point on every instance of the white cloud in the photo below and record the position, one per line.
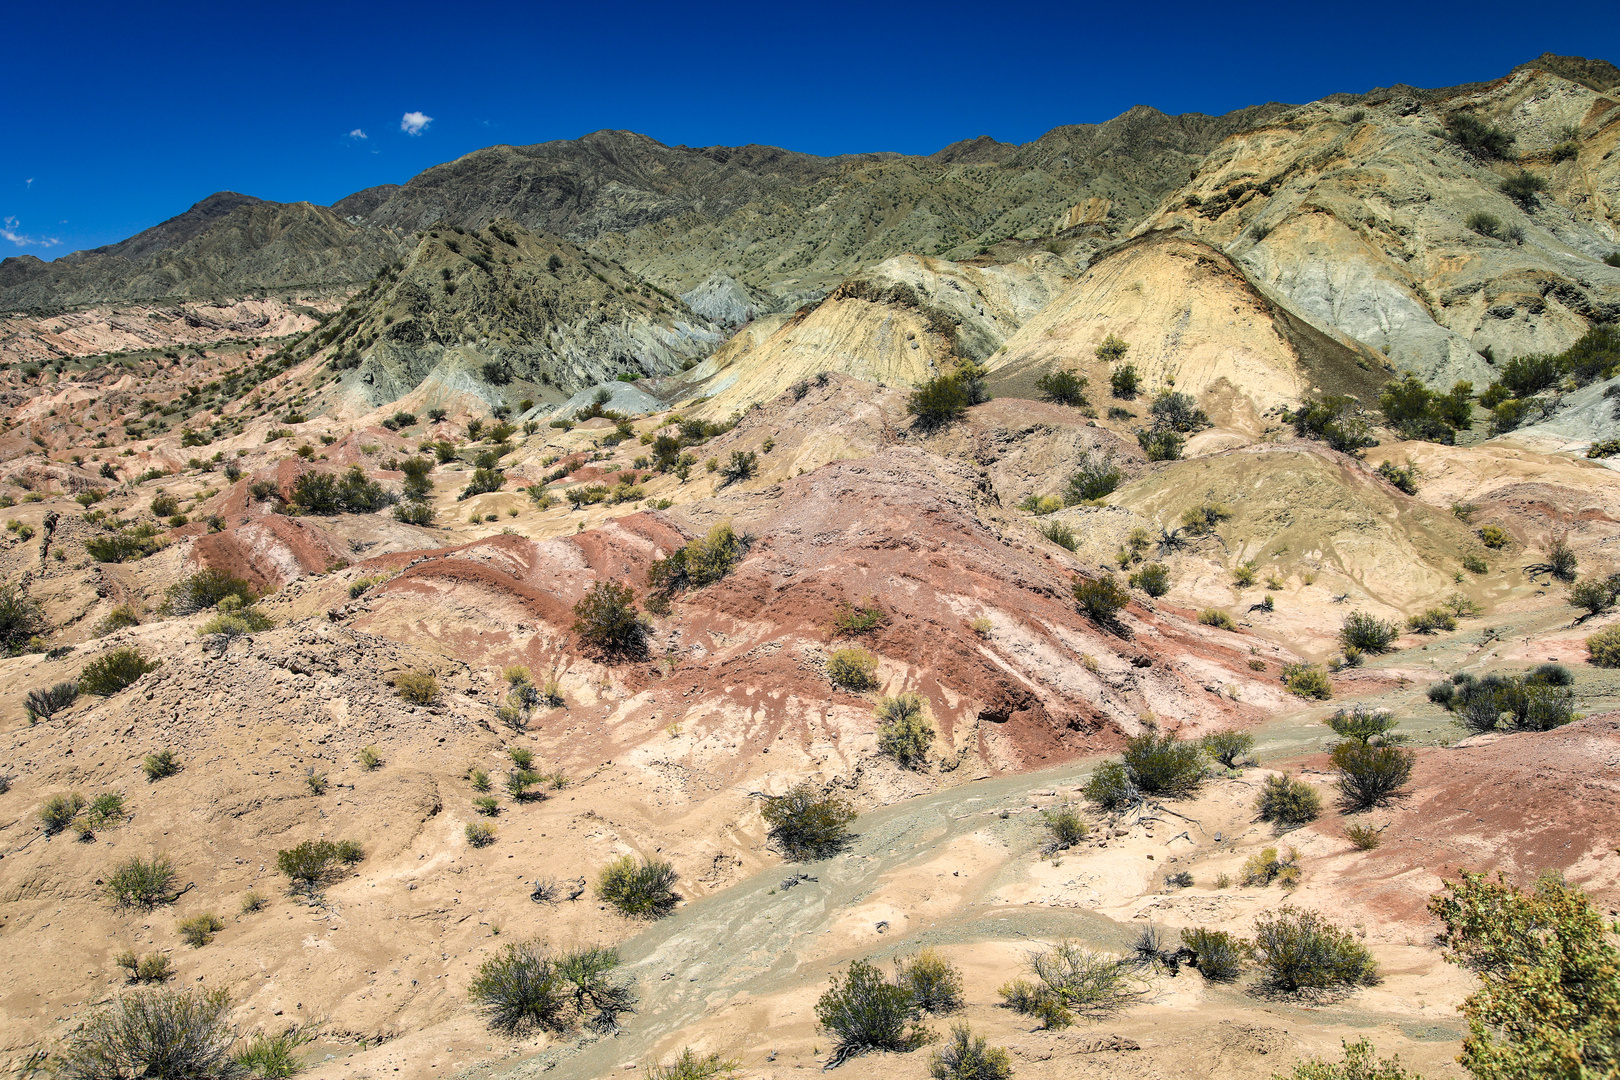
(357, 134)
(10, 233)
(414, 123)
(28, 184)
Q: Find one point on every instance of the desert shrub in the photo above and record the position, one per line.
(1307, 680)
(273, 1057)
(1363, 724)
(1201, 520)
(689, 1065)
(1538, 700)
(1100, 598)
(1064, 827)
(21, 619)
(1217, 955)
(1163, 764)
(858, 619)
(1493, 536)
(1478, 137)
(1337, 420)
(151, 968)
(1217, 618)
(234, 620)
(1111, 787)
(945, 398)
(1301, 950)
(933, 983)
(315, 862)
(143, 883)
(1548, 1003)
(1125, 382)
(1367, 633)
(1073, 980)
(852, 669)
(199, 930)
(1485, 224)
(520, 780)
(126, 545)
(1063, 387)
(700, 562)
(417, 687)
(1432, 621)
(1288, 802)
(1060, 534)
(369, 758)
(639, 888)
(1370, 775)
(1358, 1064)
(58, 812)
(1523, 187)
(117, 619)
(606, 618)
(1561, 560)
(171, 1034)
(807, 824)
(863, 1012)
(107, 675)
(414, 512)
(1230, 748)
(1364, 837)
(519, 989)
(1266, 866)
(44, 702)
(1243, 575)
(1474, 564)
(1442, 693)
(1161, 445)
(904, 732)
(160, 765)
(739, 467)
(968, 1057)
(106, 809)
(1603, 647)
(1403, 478)
(1595, 595)
(253, 901)
(486, 805)
(1178, 412)
(1153, 579)
(480, 834)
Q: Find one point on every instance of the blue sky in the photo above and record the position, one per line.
(123, 115)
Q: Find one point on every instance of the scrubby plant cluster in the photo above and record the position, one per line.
(1288, 802)
(1153, 763)
(640, 888)
(1071, 981)
(526, 987)
(313, 863)
(904, 732)
(1537, 700)
(107, 675)
(807, 823)
(606, 617)
(700, 562)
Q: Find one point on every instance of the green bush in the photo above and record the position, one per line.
(1364, 837)
(107, 675)
(1162, 764)
(1603, 647)
(1367, 633)
(1100, 598)
(1230, 748)
(42, 703)
(1403, 478)
(1217, 955)
(606, 618)
(858, 619)
(739, 467)
(1265, 866)
(172, 1034)
(273, 1057)
(863, 1012)
(933, 983)
(904, 732)
(59, 811)
(1064, 387)
(199, 930)
(807, 824)
(1337, 420)
(701, 562)
(852, 669)
(1561, 560)
(1073, 980)
(1594, 595)
(945, 398)
(21, 619)
(1301, 950)
(160, 765)
(143, 883)
(1064, 828)
(518, 990)
(1358, 1064)
(1523, 187)
(1060, 534)
(688, 1065)
(1161, 445)
(203, 590)
(968, 1057)
(417, 687)
(479, 834)
(1153, 579)
(1217, 618)
(1111, 787)
(1485, 224)
(1307, 680)
(1125, 382)
(1288, 802)
(1364, 724)
(1370, 775)
(642, 889)
(1478, 137)
(235, 621)
(315, 862)
(1435, 620)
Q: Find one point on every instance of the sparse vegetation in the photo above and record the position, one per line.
(178, 1034)
(59, 811)
(690, 1065)
(807, 823)
(1229, 748)
(1307, 680)
(1367, 633)
(1301, 950)
(1073, 981)
(524, 987)
(1364, 837)
(865, 1012)
(700, 562)
(852, 669)
(934, 984)
(1287, 802)
(1153, 579)
(606, 618)
(417, 687)
(1065, 827)
(1358, 1064)
(1603, 647)
(639, 888)
(45, 702)
(315, 862)
(480, 834)
(1063, 387)
(1100, 598)
(969, 1057)
(21, 619)
(160, 765)
(273, 1057)
(142, 883)
(203, 590)
(199, 930)
(1363, 724)
(1370, 775)
(904, 732)
(1217, 618)
(1152, 764)
(107, 675)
